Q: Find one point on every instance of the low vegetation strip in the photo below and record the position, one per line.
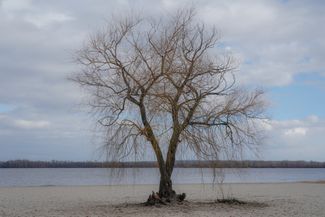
(151, 164)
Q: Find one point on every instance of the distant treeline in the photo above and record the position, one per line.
(150, 164)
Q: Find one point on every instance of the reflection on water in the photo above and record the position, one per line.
(101, 176)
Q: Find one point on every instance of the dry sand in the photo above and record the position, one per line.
(283, 199)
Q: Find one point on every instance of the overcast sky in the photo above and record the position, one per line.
(280, 44)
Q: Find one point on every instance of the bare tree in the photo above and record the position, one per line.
(160, 82)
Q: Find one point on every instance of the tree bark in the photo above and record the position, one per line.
(166, 188)
(166, 192)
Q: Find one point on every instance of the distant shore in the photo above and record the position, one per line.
(152, 164)
(278, 199)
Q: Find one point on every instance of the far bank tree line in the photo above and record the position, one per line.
(150, 164)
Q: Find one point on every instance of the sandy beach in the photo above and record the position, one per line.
(282, 199)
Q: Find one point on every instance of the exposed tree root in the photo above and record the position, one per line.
(231, 201)
(155, 199)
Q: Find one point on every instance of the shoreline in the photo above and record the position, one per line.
(176, 184)
(275, 199)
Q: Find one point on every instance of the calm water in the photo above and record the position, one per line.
(99, 176)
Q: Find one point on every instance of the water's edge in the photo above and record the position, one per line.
(45, 177)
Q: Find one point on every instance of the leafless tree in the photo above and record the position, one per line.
(160, 82)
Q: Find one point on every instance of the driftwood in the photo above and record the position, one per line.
(155, 199)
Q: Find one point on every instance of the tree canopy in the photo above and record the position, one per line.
(161, 82)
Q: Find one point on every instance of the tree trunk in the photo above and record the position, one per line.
(166, 188)
(166, 193)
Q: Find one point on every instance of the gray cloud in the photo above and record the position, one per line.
(274, 41)
(295, 139)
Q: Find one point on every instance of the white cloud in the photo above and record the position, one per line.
(236, 17)
(31, 124)
(265, 124)
(7, 121)
(298, 131)
(274, 40)
(313, 118)
(299, 139)
(10, 6)
(46, 19)
(170, 4)
(28, 12)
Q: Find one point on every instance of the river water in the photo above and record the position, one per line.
(103, 176)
